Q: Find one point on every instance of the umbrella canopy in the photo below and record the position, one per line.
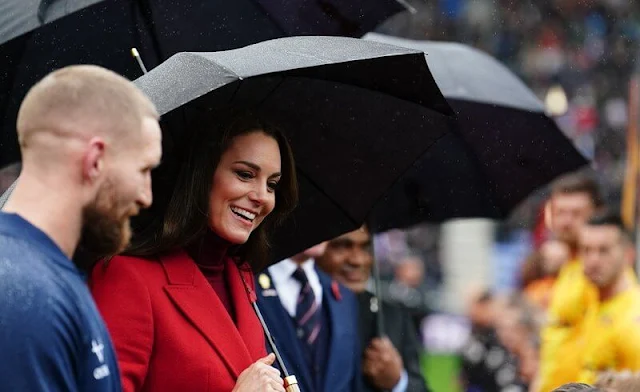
(504, 146)
(39, 36)
(351, 18)
(103, 34)
(20, 17)
(353, 129)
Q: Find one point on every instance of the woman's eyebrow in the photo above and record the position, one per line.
(257, 168)
(250, 164)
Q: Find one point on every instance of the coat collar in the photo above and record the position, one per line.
(238, 344)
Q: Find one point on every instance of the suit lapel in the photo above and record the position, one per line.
(285, 337)
(192, 294)
(340, 348)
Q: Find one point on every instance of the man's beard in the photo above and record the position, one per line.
(104, 232)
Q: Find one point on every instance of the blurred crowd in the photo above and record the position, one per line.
(587, 48)
(576, 315)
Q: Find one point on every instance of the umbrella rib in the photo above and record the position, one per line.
(275, 22)
(321, 190)
(145, 11)
(402, 174)
(270, 92)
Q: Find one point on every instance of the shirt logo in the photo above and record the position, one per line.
(101, 371)
(98, 349)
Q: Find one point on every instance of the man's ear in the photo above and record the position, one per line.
(630, 255)
(93, 160)
(548, 215)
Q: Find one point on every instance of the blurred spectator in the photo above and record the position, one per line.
(410, 272)
(408, 288)
(532, 269)
(541, 269)
(478, 373)
(610, 337)
(518, 329)
(490, 360)
(574, 199)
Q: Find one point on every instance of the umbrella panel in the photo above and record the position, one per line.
(519, 151)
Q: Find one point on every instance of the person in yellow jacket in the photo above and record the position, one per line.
(610, 337)
(574, 199)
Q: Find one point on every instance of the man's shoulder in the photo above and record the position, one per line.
(22, 266)
(334, 290)
(32, 287)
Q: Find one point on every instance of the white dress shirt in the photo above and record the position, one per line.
(288, 287)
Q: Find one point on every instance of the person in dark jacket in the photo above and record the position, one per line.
(390, 357)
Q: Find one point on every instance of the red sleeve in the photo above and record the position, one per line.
(123, 300)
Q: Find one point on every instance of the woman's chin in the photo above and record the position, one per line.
(236, 237)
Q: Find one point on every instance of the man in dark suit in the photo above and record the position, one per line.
(314, 323)
(391, 361)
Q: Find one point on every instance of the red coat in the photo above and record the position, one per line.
(170, 330)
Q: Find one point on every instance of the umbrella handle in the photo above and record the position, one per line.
(378, 297)
(291, 384)
(376, 278)
(290, 381)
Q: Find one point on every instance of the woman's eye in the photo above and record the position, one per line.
(245, 175)
(273, 185)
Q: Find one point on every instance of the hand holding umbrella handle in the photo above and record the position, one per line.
(290, 381)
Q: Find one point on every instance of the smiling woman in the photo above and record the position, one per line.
(176, 305)
(244, 146)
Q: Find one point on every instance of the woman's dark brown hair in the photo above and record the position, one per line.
(185, 218)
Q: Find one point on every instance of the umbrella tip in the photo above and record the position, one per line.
(136, 55)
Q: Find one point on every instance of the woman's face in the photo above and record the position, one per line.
(244, 183)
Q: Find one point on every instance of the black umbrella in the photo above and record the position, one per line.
(354, 130)
(503, 148)
(38, 36)
(352, 18)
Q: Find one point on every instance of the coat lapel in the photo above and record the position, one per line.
(247, 320)
(284, 335)
(192, 294)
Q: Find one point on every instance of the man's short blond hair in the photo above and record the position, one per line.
(83, 100)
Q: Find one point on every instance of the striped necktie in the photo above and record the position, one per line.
(307, 314)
